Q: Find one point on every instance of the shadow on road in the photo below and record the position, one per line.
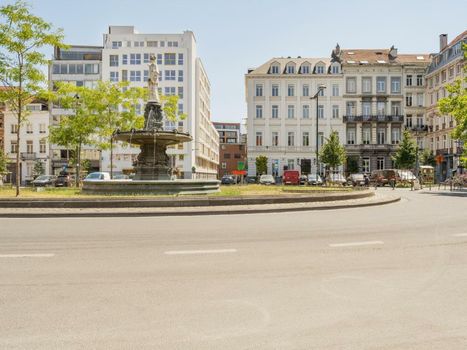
(456, 193)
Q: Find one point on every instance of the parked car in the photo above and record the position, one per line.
(338, 179)
(291, 177)
(267, 180)
(382, 177)
(251, 179)
(227, 180)
(44, 181)
(121, 177)
(64, 180)
(356, 180)
(314, 180)
(97, 176)
(303, 179)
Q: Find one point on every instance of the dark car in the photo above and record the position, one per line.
(303, 179)
(356, 180)
(227, 180)
(44, 181)
(314, 180)
(63, 180)
(251, 180)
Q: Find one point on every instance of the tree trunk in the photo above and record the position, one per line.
(111, 158)
(78, 165)
(18, 164)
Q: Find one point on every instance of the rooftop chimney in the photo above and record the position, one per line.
(443, 41)
(392, 53)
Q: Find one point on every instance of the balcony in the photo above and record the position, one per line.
(371, 147)
(374, 118)
(417, 128)
(28, 155)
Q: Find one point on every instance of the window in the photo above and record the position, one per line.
(169, 91)
(13, 147)
(408, 80)
(145, 75)
(381, 84)
(113, 60)
(395, 85)
(162, 43)
(180, 91)
(275, 111)
(408, 100)
(395, 108)
(151, 43)
(351, 85)
(114, 76)
(259, 138)
(159, 58)
(366, 135)
(91, 68)
(351, 136)
(275, 138)
(124, 59)
(28, 128)
(124, 75)
(180, 59)
(180, 75)
(275, 90)
(320, 69)
(350, 108)
(290, 111)
(335, 90)
(29, 146)
(275, 69)
(419, 80)
(42, 128)
(14, 129)
(419, 120)
(320, 92)
(305, 69)
(305, 111)
(259, 111)
(306, 139)
(381, 108)
(320, 139)
(321, 112)
(146, 57)
(42, 146)
(290, 90)
(443, 76)
(169, 75)
(116, 44)
(306, 90)
(290, 164)
(135, 75)
(335, 69)
(135, 58)
(335, 112)
(395, 136)
(290, 138)
(366, 85)
(172, 43)
(366, 109)
(169, 59)
(380, 163)
(180, 108)
(290, 69)
(226, 155)
(128, 43)
(408, 120)
(381, 136)
(259, 89)
(366, 165)
(420, 100)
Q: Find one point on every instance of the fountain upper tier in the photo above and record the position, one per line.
(161, 137)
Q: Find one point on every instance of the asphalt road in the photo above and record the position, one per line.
(388, 277)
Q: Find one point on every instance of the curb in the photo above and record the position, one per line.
(199, 212)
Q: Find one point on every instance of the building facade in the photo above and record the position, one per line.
(125, 57)
(281, 116)
(82, 66)
(446, 67)
(33, 145)
(232, 149)
(383, 95)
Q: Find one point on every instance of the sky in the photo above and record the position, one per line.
(234, 35)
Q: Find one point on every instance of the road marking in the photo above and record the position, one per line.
(26, 255)
(460, 235)
(354, 244)
(191, 252)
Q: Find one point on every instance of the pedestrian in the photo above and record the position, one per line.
(392, 182)
(367, 180)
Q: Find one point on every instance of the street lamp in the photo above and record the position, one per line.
(316, 96)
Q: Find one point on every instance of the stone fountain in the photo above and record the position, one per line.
(153, 173)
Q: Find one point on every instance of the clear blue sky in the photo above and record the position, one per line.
(233, 35)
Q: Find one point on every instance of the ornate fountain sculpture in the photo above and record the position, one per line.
(153, 163)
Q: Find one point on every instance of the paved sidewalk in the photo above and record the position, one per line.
(377, 199)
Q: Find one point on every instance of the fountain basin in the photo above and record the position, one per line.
(161, 187)
(160, 137)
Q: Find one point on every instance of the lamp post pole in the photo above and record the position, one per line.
(316, 97)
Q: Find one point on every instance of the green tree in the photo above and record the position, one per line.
(456, 105)
(22, 39)
(78, 128)
(261, 165)
(332, 153)
(427, 158)
(38, 168)
(406, 154)
(3, 165)
(170, 108)
(352, 164)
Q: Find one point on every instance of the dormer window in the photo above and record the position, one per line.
(335, 69)
(305, 69)
(320, 69)
(275, 69)
(290, 69)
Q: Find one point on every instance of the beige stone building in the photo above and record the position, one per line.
(445, 68)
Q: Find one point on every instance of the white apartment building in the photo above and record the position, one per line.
(446, 67)
(125, 57)
(281, 117)
(80, 65)
(33, 145)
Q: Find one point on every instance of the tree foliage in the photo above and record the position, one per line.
(427, 158)
(3, 162)
(22, 38)
(170, 108)
(406, 154)
(332, 153)
(261, 165)
(38, 168)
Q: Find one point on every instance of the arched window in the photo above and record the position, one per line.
(290, 68)
(305, 68)
(275, 68)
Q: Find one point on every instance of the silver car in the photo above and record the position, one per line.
(267, 180)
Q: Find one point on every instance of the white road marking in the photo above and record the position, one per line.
(354, 244)
(460, 235)
(27, 255)
(191, 252)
